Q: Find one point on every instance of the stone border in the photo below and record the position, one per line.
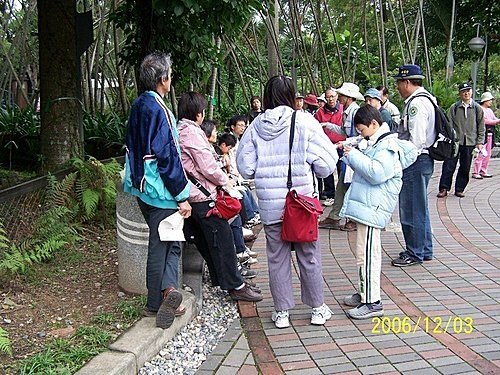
(139, 344)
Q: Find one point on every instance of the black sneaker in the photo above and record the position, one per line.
(426, 257)
(405, 260)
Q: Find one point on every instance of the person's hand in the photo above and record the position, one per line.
(346, 150)
(339, 145)
(185, 209)
(323, 124)
(479, 146)
(230, 184)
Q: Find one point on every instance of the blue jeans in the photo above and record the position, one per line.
(239, 240)
(414, 208)
(249, 204)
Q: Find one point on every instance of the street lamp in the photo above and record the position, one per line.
(477, 44)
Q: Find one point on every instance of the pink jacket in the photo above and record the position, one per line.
(489, 117)
(198, 160)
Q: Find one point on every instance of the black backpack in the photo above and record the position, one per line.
(445, 145)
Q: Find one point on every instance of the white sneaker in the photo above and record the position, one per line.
(250, 252)
(251, 261)
(242, 257)
(328, 202)
(246, 232)
(281, 319)
(320, 315)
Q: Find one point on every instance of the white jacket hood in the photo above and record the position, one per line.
(273, 122)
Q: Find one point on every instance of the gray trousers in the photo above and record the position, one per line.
(279, 262)
(340, 191)
(162, 268)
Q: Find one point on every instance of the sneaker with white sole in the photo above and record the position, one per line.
(281, 319)
(251, 261)
(320, 315)
(328, 202)
(250, 252)
(242, 257)
(366, 311)
(246, 272)
(352, 300)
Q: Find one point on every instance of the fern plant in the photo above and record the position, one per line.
(52, 233)
(95, 187)
(87, 193)
(5, 345)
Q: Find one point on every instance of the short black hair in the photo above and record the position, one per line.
(383, 89)
(227, 138)
(208, 127)
(190, 104)
(279, 90)
(255, 97)
(235, 119)
(417, 81)
(366, 114)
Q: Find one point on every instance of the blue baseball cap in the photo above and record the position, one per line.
(409, 71)
(373, 93)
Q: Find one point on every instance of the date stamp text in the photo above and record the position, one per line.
(436, 324)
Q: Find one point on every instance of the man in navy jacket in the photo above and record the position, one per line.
(154, 174)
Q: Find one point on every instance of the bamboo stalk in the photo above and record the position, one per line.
(302, 54)
(405, 29)
(396, 27)
(318, 28)
(240, 75)
(119, 73)
(379, 39)
(382, 42)
(339, 55)
(426, 49)
(213, 80)
(367, 52)
(244, 55)
(416, 33)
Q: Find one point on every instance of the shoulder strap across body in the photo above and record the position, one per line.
(290, 145)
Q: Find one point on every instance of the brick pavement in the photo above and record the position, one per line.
(461, 282)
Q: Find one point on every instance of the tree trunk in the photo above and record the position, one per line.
(61, 131)
(231, 86)
(213, 81)
(450, 61)
(145, 10)
(383, 52)
(272, 41)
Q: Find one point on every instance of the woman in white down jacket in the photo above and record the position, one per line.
(263, 155)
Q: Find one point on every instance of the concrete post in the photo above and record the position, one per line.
(132, 243)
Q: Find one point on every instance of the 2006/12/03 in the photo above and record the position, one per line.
(430, 324)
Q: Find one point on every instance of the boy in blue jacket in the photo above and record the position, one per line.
(378, 165)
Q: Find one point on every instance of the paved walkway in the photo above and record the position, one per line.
(441, 318)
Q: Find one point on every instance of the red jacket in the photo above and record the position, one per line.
(333, 117)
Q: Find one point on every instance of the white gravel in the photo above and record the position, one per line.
(185, 353)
